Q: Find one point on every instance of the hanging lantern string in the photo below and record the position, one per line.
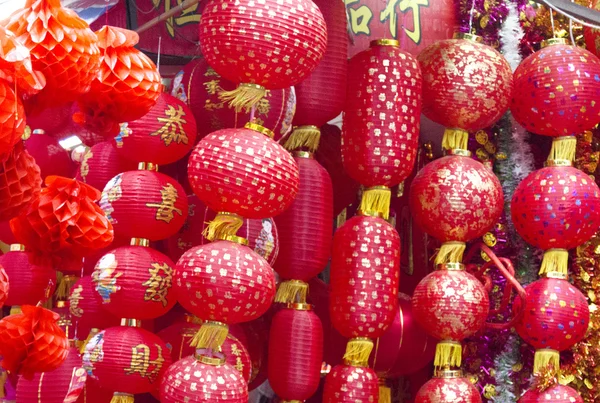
(158, 56)
(571, 30)
(552, 23)
(471, 17)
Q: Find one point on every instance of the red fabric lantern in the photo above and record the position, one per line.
(555, 394)
(349, 384)
(29, 283)
(557, 81)
(127, 360)
(32, 342)
(127, 84)
(295, 353)
(466, 85)
(144, 204)
(198, 85)
(262, 234)
(20, 183)
(453, 388)
(162, 136)
(203, 379)
(49, 155)
(135, 282)
(12, 119)
(85, 307)
(243, 171)
(52, 119)
(62, 47)
(101, 163)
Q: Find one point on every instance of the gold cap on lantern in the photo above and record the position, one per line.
(17, 247)
(385, 42)
(300, 307)
(214, 361)
(448, 373)
(467, 36)
(140, 242)
(131, 322)
(260, 129)
(147, 166)
(554, 41)
(304, 154)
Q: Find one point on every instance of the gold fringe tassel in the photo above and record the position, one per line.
(448, 354)
(292, 291)
(15, 310)
(223, 225)
(244, 97)
(563, 148)
(385, 393)
(377, 199)
(358, 350)
(93, 332)
(455, 139)
(450, 252)
(546, 358)
(555, 260)
(122, 398)
(304, 137)
(64, 287)
(211, 336)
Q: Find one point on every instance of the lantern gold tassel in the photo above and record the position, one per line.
(64, 287)
(122, 398)
(544, 359)
(223, 225)
(563, 148)
(450, 252)
(244, 97)
(93, 332)
(304, 137)
(211, 335)
(555, 260)
(455, 139)
(385, 393)
(377, 199)
(448, 354)
(358, 350)
(292, 291)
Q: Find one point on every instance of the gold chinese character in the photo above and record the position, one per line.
(390, 13)
(188, 16)
(84, 168)
(360, 18)
(167, 206)
(263, 106)
(74, 302)
(172, 129)
(141, 363)
(211, 106)
(211, 73)
(159, 283)
(212, 87)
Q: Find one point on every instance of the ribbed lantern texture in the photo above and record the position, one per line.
(456, 389)
(555, 394)
(29, 283)
(101, 163)
(20, 182)
(49, 155)
(350, 384)
(85, 307)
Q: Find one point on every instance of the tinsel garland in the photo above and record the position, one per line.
(487, 18)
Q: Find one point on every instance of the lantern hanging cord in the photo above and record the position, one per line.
(571, 30)
(574, 19)
(471, 17)
(552, 23)
(158, 56)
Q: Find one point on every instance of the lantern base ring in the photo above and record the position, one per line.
(131, 322)
(554, 41)
(558, 163)
(467, 36)
(385, 42)
(448, 373)
(458, 152)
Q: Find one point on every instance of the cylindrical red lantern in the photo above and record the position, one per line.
(448, 386)
(555, 394)
(203, 379)
(49, 155)
(101, 163)
(243, 171)
(295, 353)
(162, 136)
(349, 384)
(85, 306)
(144, 203)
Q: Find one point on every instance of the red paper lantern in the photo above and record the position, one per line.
(162, 136)
(365, 275)
(29, 283)
(12, 119)
(382, 115)
(262, 234)
(243, 171)
(349, 384)
(85, 307)
(295, 353)
(144, 204)
(198, 85)
(93, 393)
(127, 360)
(555, 394)
(20, 183)
(448, 386)
(49, 155)
(466, 85)
(62, 47)
(203, 379)
(101, 163)
(557, 81)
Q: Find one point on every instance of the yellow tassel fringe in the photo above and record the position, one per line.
(450, 252)
(563, 148)
(292, 291)
(244, 97)
(377, 199)
(304, 137)
(93, 332)
(546, 358)
(555, 260)
(64, 287)
(385, 393)
(223, 225)
(448, 354)
(358, 350)
(210, 336)
(455, 139)
(122, 398)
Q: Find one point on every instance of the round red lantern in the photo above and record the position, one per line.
(49, 155)
(127, 360)
(93, 393)
(20, 183)
(162, 136)
(203, 379)
(12, 119)
(305, 230)
(243, 171)
(101, 163)
(144, 203)
(85, 307)
(557, 81)
(347, 383)
(271, 55)
(448, 386)
(295, 353)
(198, 85)
(555, 394)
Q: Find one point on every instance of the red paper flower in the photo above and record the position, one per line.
(20, 183)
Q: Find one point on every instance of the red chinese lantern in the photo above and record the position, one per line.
(258, 64)
(347, 383)
(127, 360)
(101, 163)
(448, 386)
(144, 203)
(198, 85)
(295, 353)
(162, 136)
(20, 183)
(555, 394)
(62, 47)
(243, 171)
(85, 307)
(127, 84)
(93, 393)
(32, 342)
(203, 379)
(305, 231)
(49, 155)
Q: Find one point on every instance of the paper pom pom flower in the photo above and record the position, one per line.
(3, 286)
(20, 183)
(15, 64)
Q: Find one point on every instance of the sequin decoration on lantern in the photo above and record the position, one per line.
(285, 54)
(347, 383)
(554, 394)
(20, 183)
(49, 155)
(448, 386)
(101, 163)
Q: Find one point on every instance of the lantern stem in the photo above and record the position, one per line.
(292, 291)
(448, 354)
(450, 252)
(546, 359)
(210, 336)
(122, 398)
(244, 97)
(304, 137)
(555, 260)
(455, 139)
(377, 199)
(563, 148)
(223, 225)
(385, 393)
(358, 350)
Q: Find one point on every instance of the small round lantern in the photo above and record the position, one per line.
(347, 383)
(85, 307)
(448, 386)
(49, 155)
(554, 394)
(101, 163)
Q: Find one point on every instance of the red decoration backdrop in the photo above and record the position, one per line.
(12, 118)
(49, 156)
(85, 307)
(29, 283)
(101, 163)
(348, 384)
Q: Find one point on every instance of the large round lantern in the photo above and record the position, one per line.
(347, 383)
(85, 307)
(144, 203)
(49, 155)
(101, 163)
(243, 171)
(203, 379)
(448, 386)
(554, 394)
(271, 55)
